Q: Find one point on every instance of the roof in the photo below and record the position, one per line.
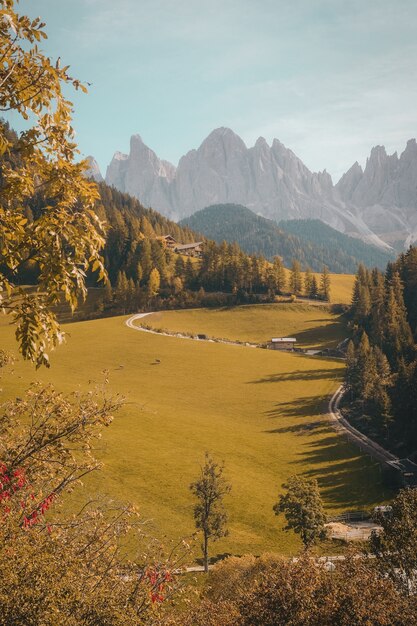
(283, 340)
(188, 246)
(166, 237)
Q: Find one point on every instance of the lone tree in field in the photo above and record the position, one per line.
(303, 509)
(209, 513)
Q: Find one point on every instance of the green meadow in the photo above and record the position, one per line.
(259, 411)
(312, 325)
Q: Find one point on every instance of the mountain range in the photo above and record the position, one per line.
(377, 204)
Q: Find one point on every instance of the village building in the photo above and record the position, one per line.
(168, 241)
(282, 343)
(190, 249)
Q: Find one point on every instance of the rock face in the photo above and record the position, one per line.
(378, 204)
(94, 170)
(385, 193)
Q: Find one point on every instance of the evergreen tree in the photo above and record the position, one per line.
(279, 274)
(296, 279)
(314, 290)
(308, 281)
(325, 284)
(189, 274)
(397, 333)
(145, 259)
(179, 266)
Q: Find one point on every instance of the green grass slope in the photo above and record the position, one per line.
(258, 410)
(313, 326)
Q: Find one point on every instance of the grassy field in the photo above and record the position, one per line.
(258, 410)
(341, 286)
(313, 326)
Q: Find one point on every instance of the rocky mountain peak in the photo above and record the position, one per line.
(274, 182)
(93, 170)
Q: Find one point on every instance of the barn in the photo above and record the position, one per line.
(282, 343)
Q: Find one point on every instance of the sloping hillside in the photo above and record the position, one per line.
(290, 240)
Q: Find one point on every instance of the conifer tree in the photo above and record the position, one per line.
(325, 284)
(308, 280)
(280, 276)
(145, 259)
(296, 279)
(397, 333)
(179, 266)
(314, 290)
(189, 274)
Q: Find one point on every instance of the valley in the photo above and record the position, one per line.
(264, 413)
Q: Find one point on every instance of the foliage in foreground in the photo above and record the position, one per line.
(272, 591)
(65, 238)
(59, 568)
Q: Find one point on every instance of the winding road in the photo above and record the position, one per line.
(339, 422)
(367, 445)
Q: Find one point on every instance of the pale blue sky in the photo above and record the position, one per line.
(329, 78)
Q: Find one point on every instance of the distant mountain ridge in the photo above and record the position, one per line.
(377, 204)
(311, 242)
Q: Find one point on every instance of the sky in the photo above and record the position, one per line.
(328, 78)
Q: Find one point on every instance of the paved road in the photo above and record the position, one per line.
(361, 440)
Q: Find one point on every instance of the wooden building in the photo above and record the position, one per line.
(282, 343)
(168, 241)
(190, 249)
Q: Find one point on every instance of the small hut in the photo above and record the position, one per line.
(282, 343)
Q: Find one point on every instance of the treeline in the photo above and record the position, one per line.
(158, 278)
(381, 372)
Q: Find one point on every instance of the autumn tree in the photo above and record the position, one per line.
(59, 567)
(210, 516)
(303, 509)
(154, 283)
(64, 239)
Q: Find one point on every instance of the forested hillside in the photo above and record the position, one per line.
(334, 248)
(311, 242)
(381, 375)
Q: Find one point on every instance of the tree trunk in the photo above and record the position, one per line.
(205, 554)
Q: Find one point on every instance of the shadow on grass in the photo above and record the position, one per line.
(313, 374)
(301, 407)
(346, 476)
(324, 335)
